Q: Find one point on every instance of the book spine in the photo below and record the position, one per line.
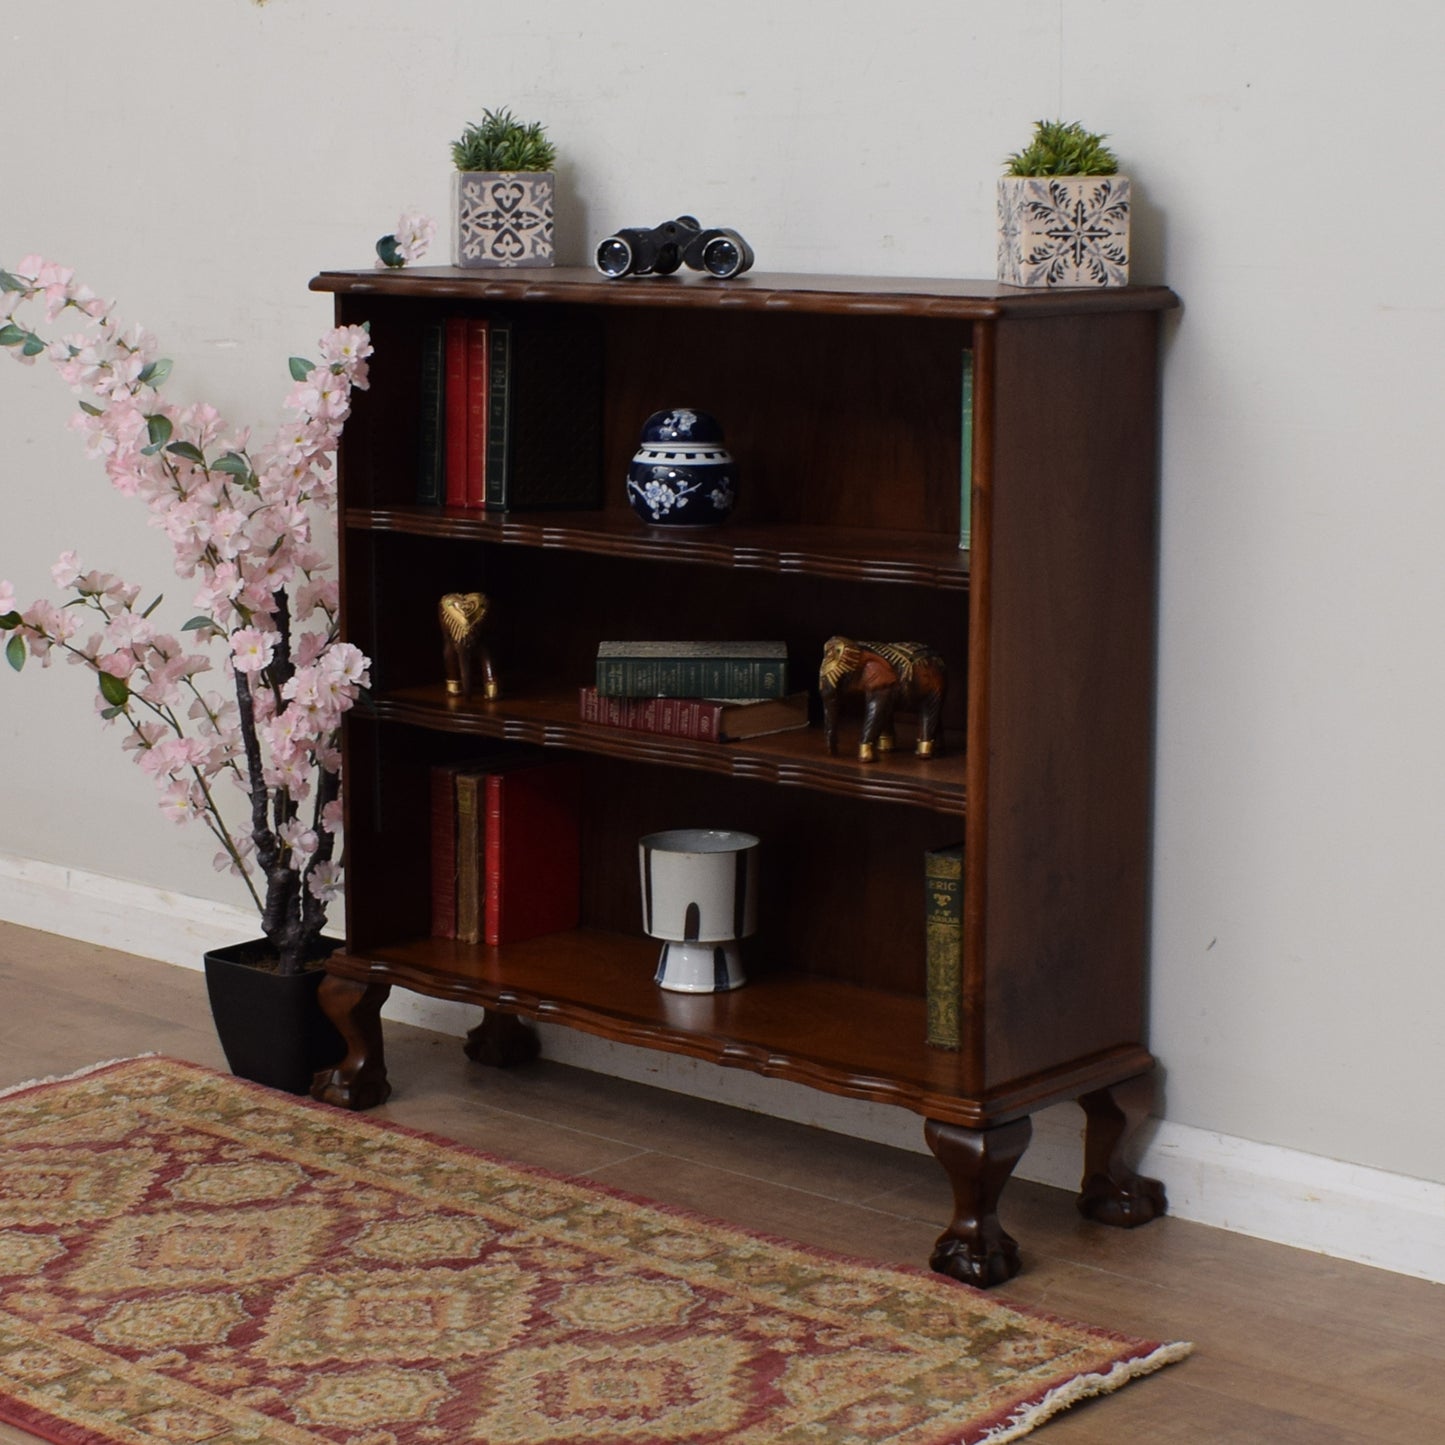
(693, 677)
(499, 415)
(478, 411)
(943, 930)
(455, 411)
(443, 854)
(494, 832)
(431, 459)
(965, 515)
(470, 856)
(678, 717)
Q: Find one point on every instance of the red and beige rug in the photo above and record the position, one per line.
(185, 1257)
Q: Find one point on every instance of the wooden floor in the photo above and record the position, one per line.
(1289, 1346)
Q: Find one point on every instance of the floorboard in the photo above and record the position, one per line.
(1289, 1346)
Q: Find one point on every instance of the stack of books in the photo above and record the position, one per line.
(506, 849)
(708, 691)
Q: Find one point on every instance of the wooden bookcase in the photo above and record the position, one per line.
(842, 403)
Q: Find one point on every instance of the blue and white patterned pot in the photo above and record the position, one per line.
(681, 474)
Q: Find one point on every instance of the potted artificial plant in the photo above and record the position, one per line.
(239, 707)
(505, 191)
(1063, 211)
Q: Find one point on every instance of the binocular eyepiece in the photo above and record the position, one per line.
(683, 242)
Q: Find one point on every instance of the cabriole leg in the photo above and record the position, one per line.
(978, 1162)
(359, 1080)
(1111, 1192)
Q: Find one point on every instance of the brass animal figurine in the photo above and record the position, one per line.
(465, 656)
(887, 676)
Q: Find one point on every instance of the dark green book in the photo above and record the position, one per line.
(431, 434)
(725, 670)
(544, 415)
(943, 923)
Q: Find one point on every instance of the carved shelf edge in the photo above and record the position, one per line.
(911, 559)
(940, 1095)
(945, 297)
(795, 759)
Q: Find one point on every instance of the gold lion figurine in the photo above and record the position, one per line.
(886, 675)
(464, 652)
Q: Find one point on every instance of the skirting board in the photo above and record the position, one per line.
(1344, 1210)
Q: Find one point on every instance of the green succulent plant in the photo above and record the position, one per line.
(500, 142)
(1063, 148)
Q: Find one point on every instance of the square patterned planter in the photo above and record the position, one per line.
(1063, 230)
(503, 218)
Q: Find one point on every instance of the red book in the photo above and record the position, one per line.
(706, 719)
(454, 380)
(478, 400)
(533, 851)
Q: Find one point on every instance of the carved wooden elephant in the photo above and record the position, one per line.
(466, 658)
(887, 676)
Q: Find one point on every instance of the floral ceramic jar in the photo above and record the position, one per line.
(681, 474)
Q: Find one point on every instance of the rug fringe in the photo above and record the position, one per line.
(78, 1074)
(1083, 1387)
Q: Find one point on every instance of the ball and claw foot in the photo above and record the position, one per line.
(502, 1041)
(979, 1264)
(1122, 1203)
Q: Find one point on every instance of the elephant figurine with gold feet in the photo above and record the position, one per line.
(887, 676)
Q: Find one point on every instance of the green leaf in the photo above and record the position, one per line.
(159, 429)
(232, 463)
(10, 282)
(109, 712)
(89, 410)
(153, 606)
(301, 368)
(390, 252)
(114, 690)
(156, 372)
(15, 652)
(9, 620)
(190, 452)
(197, 622)
(12, 335)
(32, 345)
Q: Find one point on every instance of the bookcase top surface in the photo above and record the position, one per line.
(876, 295)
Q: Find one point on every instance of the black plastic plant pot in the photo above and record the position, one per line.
(270, 1024)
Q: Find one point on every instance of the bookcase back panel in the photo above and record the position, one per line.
(841, 892)
(832, 421)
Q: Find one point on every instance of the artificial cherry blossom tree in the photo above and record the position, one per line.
(245, 700)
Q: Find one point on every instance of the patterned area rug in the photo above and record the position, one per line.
(188, 1258)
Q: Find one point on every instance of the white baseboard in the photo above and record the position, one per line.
(1345, 1210)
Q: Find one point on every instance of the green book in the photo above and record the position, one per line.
(965, 516)
(943, 922)
(724, 670)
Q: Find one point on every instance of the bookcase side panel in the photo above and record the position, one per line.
(1071, 579)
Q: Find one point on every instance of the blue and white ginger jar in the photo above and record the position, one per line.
(681, 474)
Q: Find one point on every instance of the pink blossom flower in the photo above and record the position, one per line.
(252, 649)
(324, 880)
(7, 597)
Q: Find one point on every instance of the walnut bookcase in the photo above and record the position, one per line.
(842, 402)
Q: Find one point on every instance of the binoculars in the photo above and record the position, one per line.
(683, 242)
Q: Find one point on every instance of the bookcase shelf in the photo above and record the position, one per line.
(869, 419)
(920, 559)
(602, 983)
(795, 759)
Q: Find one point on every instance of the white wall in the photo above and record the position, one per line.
(201, 159)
